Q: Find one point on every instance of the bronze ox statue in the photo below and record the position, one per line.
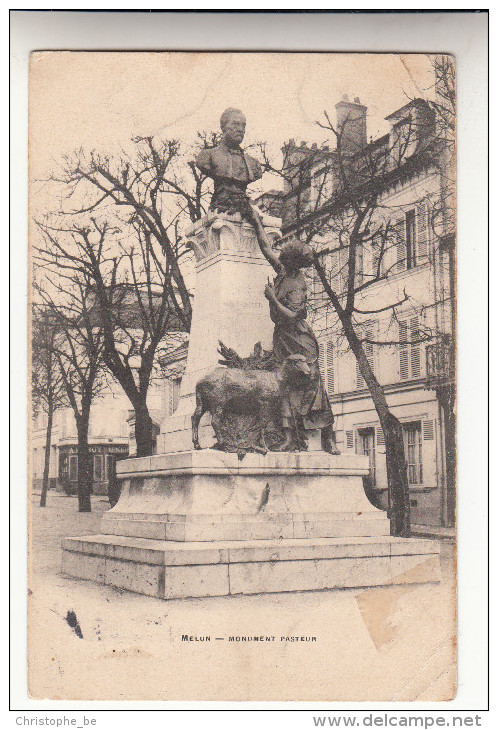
(238, 392)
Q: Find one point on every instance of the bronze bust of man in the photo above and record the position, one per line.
(230, 167)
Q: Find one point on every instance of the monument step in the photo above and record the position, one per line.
(194, 569)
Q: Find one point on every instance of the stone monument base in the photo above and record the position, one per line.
(167, 569)
(204, 523)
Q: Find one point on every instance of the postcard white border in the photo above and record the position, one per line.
(464, 35)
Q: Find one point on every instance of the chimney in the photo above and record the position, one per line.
(352, 122)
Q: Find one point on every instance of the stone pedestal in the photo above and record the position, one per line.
(229, 305)
(206, 524)
(211, 495)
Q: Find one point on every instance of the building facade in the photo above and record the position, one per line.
(408, 346)
(112, 425)
(108, 441)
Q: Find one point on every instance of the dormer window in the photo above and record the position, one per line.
(409, 125)
(403, 140)
(322, 185)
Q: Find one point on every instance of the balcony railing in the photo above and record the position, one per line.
(439, 365)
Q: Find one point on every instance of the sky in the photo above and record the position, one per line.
(101, 100)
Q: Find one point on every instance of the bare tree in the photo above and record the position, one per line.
(341, 209)
(128, 295)
(77, 347)
(153, 188)
(48, 392)
(120, 225)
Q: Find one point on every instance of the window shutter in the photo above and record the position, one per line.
(428, 430)
(326, 365)
(341, 270)
(321, 360)
(360, 383)
(380, 437)
(400, 238)
(415, 348)
(369, 348)
(404, 372)
(368, 334)
(330, 368)
(349, 439)
(422, 232)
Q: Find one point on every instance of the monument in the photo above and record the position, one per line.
(258, 499)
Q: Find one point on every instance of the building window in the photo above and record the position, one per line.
(412, 437)
(73, 467)
(365, 445)
(378, 254)
(322, 187)
(404, 232)
(98, 467)
(409, 348)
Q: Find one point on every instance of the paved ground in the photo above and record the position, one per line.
(392, 643)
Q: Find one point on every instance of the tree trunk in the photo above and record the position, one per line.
(144, 429)
(113, 489)
(446, 398)
(46, 466)
(397, 477)
(84, 470)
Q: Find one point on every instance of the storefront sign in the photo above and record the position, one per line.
(100, 449)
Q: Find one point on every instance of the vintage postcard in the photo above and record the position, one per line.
(242, 371)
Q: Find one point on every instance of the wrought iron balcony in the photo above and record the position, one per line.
(439, 365)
